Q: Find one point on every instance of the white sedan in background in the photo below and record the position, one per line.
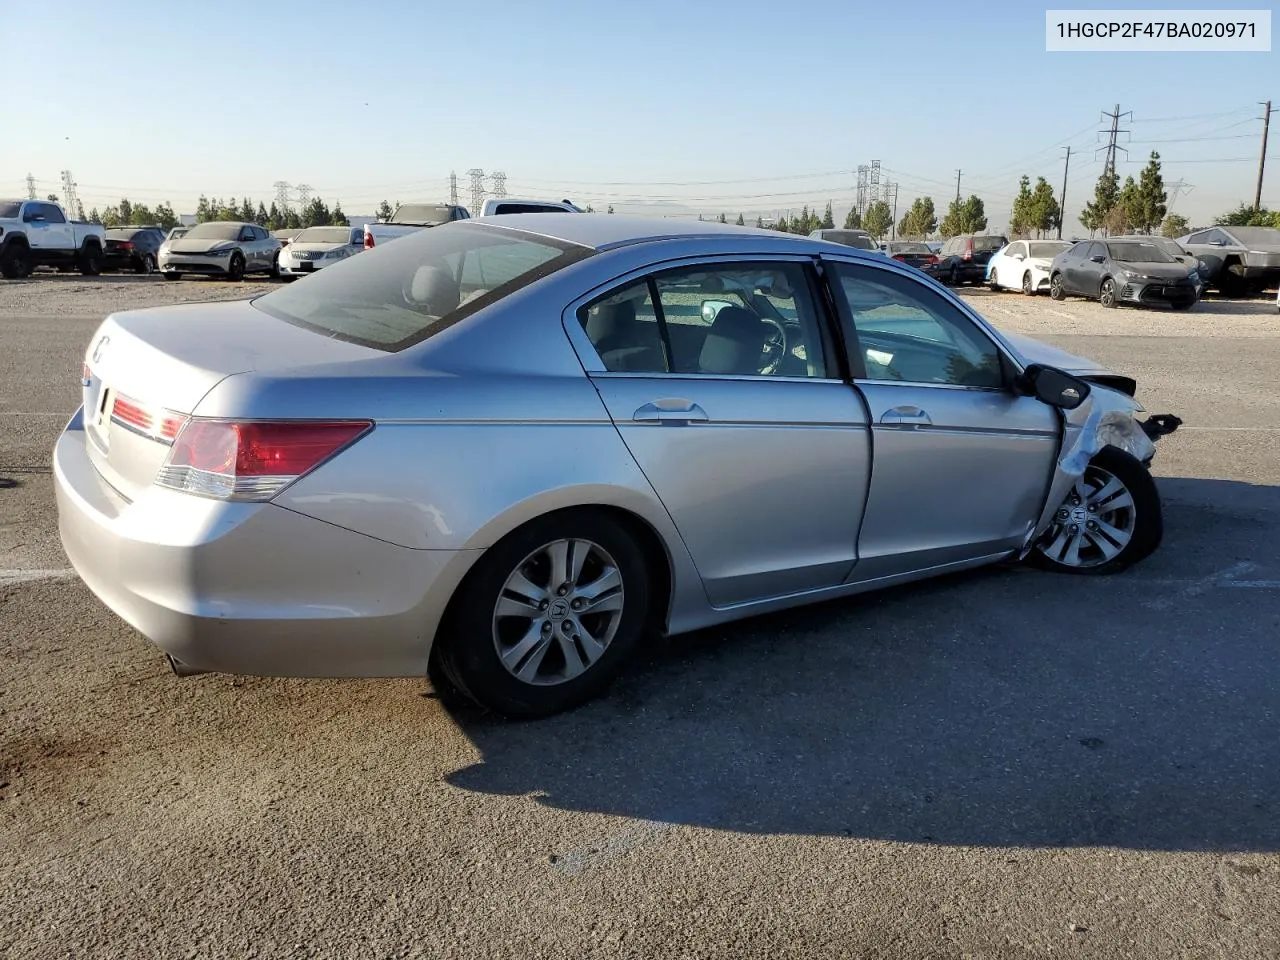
(317, 247)
(1024, 265)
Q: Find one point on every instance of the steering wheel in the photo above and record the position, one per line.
(775, 347)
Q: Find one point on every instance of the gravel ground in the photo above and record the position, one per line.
(1000, 764)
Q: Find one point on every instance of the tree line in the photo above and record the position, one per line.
(316, 213)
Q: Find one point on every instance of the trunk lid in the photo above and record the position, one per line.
(145, 370)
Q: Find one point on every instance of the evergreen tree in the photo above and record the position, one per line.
(1106, 194)
(1150, 202)
(878, 219)
(828, 220)
(853, 220)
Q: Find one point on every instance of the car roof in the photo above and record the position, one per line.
(603, 231)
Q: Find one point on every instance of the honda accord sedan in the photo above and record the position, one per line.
(517, 450)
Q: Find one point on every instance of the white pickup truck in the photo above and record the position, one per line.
(412, 217)
(38, 233)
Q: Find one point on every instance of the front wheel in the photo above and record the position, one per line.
(235, 271)
(1056, 290)
(1110, 520)
(993, 282)
(1107, 293)
(548, 616)
(1027, 289)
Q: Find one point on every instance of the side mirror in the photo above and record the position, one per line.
(1053, 386)
(1098, 258)
(712, 308)
(1018, 256)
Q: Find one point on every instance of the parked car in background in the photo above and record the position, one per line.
(303, 483)
(132, 248)
(1239, 260)
(964, 258)
(911, 252)
(1175, 250)
(317, 247)
(38, 233)
(499, 206)
(286, 236)
(1123, 271)
(1024, 265)
(178, 232)
(858, 239)
(220, 248)
(410, 218)
(935, 245)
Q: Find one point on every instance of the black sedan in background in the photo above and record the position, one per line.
(1123, 271)
(132, 248)
(911, 252)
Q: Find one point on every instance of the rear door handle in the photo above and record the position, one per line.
(906, 416)
(670, 410)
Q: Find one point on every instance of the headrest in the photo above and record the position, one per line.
(435, 290)
(734, 343)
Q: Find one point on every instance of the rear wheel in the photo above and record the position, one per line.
(548, 616)
(91, 261)
(1107, 293)
(1110, 520)
(146, 265)
(954, 277)
(235, 271)
(1056, 291)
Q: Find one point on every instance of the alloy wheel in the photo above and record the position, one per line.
(1094, 523)
(557, 612)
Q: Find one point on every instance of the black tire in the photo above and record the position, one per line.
(993, 282)
(1230, 281)
(171, 275)
(1147, 518)
(1184, 306)
(1027, 289)
(954, 277)
(467, 646)
(91, 261)
(275, 266)
(1108, 296)
(16, 262)
(1056, 292)
(235, 270)
(146, 265)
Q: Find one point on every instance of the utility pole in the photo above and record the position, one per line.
(1109, 168)
(1262, 157)
(893, 227)
(1062, 204)
(957, 186)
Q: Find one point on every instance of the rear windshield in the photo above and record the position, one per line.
(399, 294)
(849, 239)
(909, 248)
(1135, 251)
(428, 213)
(988, 244)
(9, 209)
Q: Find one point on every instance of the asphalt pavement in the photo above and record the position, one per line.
(1006, 763)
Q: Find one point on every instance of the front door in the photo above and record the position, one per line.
(717, 378)
(962, 464)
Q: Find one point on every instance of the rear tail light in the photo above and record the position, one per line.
(126, 245)
(368, 240)
(967, 255)
(899, 256)
(86, 375)
(252, 460)
(932, 259)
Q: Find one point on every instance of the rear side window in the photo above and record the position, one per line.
(526, 208)
(396, 295)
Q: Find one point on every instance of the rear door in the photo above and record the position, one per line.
(720, 378)
(962, 464)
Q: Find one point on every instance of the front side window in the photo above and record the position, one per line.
(52, 214)
(1015, 248)
(907, 332)
(749, 319)
(396, 295)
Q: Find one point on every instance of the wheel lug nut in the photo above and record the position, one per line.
(543, 605)
(1073, 528)
(546, 626)
(1093, 508)
(577, 604)
(1093, 524)
(561, 590)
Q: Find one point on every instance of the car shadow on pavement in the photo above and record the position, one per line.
(1006, 707)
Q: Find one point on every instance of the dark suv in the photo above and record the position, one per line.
(963, 259)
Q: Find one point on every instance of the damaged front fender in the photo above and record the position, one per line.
(1106, 418)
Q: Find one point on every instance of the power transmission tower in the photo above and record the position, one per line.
(304, 195)
(69, 192)
(453, 189)
(1262, 156)
(282, 195)
(1175, 190)
(875, 181)
(499, 184)
(1062, 204)
(31, 187)
(863, 171)
(1109, 168)
(477, 189)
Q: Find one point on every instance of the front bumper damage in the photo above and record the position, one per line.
(1106, 418)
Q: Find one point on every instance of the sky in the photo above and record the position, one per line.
(670, 108)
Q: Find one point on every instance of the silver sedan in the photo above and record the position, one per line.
(516, 450)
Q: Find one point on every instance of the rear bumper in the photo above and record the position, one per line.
(250, 588)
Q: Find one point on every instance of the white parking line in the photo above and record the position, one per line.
(1194, 587)
(10, 577)
(33, 413)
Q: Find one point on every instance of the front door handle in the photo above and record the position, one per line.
(907, 416)
(670, 410)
